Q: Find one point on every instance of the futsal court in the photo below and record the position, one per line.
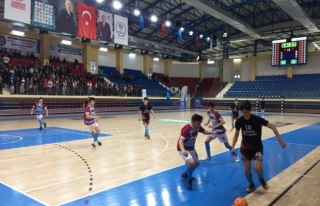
(58, 166)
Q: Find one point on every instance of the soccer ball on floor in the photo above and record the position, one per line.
(240, 202)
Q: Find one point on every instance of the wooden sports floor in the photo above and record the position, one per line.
(58, 166)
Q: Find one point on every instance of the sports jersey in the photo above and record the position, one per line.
(39, 108)
(145, 109)
(190, 134)
(235, 108)
(215, 120)
(91, 112)
(262, 104)
(251, 132)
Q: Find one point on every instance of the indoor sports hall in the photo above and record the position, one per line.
(97, 99)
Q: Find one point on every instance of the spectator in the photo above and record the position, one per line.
(74, 86)
(64, 87)
(89, 84)
(22, 85)
(50, 84)
(6, 60)
(11, 85)
(35, 85)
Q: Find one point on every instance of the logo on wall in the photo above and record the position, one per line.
(121, 29)
(2, 40)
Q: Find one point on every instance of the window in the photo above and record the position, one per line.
(93, 67)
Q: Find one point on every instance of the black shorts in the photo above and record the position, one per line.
(235, 115)
(251, 154)
(146, 121)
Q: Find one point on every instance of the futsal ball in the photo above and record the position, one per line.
(240, 202)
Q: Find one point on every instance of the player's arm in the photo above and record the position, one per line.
(222, 122)
(181, 140)
(276, 132)
(83, 106)
(206, 132)
(46, 111)
(208, 122)
(154, 115)
(139, 115)
(32, 109)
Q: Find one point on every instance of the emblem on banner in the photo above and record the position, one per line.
(121, 29)
(2, 40)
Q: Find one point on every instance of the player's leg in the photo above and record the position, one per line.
(96, 134)
(146, 128)
(91, 129)
(224, 139)
(39, 118)
(207, 146)
(258, 157)
(192, 162)
(246, 159)
(232, 121)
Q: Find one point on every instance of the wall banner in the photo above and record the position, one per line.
(19, 43)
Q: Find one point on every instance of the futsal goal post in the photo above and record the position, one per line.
(272, 104)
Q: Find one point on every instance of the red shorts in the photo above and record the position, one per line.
(251, 154)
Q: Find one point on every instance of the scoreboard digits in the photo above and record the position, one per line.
(288, 52)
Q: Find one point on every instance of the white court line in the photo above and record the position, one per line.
(118, 130)
(51, 143)
(168, 169)
(25, 194)
(1, 135)
(105, 171)
(294, 143)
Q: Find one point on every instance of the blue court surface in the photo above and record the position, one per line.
(217, 182)
(8, 196)
(10, 139)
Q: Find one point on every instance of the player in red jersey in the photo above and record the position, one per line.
(217, 125)
(144, 111)
(185, 146)
(90, 119)
(251, 144)
(38, 107)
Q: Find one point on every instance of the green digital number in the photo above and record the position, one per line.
(289, 44)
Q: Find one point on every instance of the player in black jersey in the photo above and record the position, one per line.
(235, 112)
(251, 144)
(144, 111)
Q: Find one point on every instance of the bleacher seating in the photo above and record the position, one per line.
(210, 87)
(191, 82)
(153, 88)
(300, 86)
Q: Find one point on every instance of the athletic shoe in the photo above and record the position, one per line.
(45, 125)
(40, 128)
(93, 145)
(189, 184)
(264, 184)
(147, 136)
(99, 143)
(206, 159)
(251, 188)
(237, 159)
(185, 176)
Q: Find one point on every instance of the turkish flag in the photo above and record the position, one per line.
(86, 21)
(163, 29)
(197, 41)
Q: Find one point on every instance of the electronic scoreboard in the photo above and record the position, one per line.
(288, 52)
